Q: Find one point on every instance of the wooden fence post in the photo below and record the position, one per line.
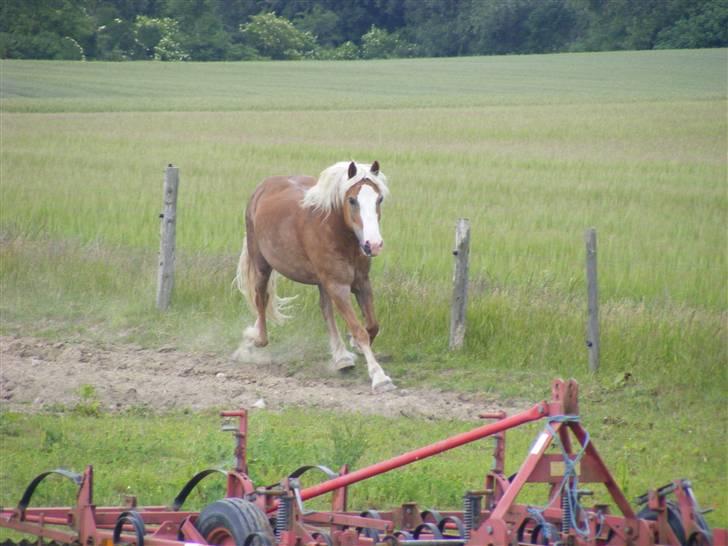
(592, 331)
(168, 216)
(460, 284)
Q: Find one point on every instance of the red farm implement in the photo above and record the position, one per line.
(276, 515)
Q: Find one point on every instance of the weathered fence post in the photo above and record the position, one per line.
(460, 284)
(592, 330)
(165, 277)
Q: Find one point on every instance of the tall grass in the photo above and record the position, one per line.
(532, 149)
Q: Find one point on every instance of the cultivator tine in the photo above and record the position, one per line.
(25, 500)
(181, 497)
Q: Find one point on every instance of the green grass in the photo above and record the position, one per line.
(50, 86)
(533, 149)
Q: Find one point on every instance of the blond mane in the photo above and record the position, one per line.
(333, 183)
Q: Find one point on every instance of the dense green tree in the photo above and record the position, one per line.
(202, 33)
(159, 38)
(45, 29)
(321, 23)
(706, 25)
(346, 29)
(276, 37)
(626, 24)
(440, 29)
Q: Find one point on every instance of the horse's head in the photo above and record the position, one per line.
(362, 210)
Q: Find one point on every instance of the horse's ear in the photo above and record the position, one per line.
(352, 170)
(375, 168)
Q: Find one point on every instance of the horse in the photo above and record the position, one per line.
(321, 232)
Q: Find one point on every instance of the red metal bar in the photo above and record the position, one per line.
(536, 412)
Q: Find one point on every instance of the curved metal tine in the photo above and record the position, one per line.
(136, 521)
(368, 531)
(431, 528)
(434, 514)
(459, 525)
(28, 494)
(180, 499)
(330, 474)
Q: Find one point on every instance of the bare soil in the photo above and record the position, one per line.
(40, 375)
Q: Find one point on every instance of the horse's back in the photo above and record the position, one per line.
(280, 192)
(275, 219)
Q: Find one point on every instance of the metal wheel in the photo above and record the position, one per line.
(229, 522)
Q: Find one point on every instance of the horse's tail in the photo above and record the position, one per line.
(245, 283)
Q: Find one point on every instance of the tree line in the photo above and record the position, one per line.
(231, 30)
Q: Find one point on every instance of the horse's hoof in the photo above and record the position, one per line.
(343, 364)
(241, 354)
(259, 343)
(385, 385)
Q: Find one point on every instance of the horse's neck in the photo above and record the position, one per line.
(339, 236)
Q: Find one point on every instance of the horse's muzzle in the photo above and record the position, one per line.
(372, 250)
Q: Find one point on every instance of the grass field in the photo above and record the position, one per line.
(533, 149)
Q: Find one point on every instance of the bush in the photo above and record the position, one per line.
(347, 51)
(159, 38)
(380, 44)
(276, 38)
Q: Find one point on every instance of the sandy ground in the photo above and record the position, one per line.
(36, 375)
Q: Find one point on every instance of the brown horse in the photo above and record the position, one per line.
(322, 232)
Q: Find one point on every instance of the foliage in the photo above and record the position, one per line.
(380, 44)
(705, 25)
(331, 29)
(159, 38)
(345, 52)
(203, 35)
(46, 29)
(276, 38)
(322, 23)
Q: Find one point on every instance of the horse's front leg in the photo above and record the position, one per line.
(365, 299)
(342, 358)
(340, 294)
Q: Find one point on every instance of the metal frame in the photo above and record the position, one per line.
(490, 517)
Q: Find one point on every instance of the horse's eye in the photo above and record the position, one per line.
(353, 202)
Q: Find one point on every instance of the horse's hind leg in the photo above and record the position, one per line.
(342, 359)
(263, 272)
(253, 275)
(341, 296)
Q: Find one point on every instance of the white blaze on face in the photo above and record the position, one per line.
(369, 219)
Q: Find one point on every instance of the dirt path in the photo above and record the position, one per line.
(36, 374)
